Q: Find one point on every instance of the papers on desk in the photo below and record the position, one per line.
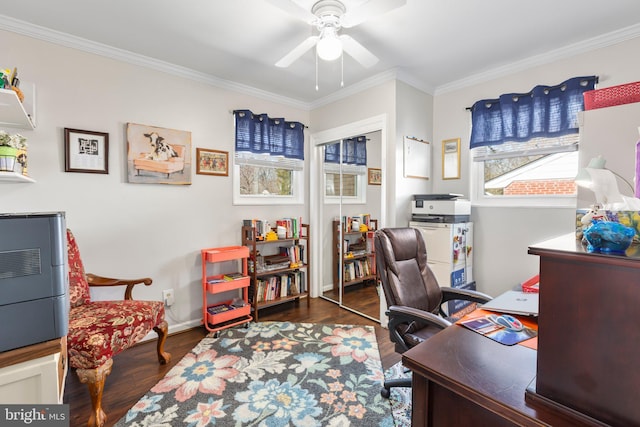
(514, 302)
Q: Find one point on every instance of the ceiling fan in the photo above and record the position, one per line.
(329, 17)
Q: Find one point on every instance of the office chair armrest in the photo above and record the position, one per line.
(449, 294)
(402, 314)
(94, 280)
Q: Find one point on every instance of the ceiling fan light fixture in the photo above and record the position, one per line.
(329, 46)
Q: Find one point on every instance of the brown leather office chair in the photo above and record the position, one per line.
(414, 298)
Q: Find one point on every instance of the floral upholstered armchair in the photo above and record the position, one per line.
(98, 330)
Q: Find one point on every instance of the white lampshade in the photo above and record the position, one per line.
(329, 47)
(600, 180)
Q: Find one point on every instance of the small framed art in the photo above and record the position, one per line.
(86, 151)
(451, 158)
(212, 162)
(375, 176)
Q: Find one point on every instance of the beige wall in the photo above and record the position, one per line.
(502, 235)
(162, 227)
(132, 230)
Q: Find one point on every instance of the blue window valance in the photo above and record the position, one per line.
(546, 111)
(354, 151)
(264, 139)
(354, 156)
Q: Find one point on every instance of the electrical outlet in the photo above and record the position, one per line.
(167, 297)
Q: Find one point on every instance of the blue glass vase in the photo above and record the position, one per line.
(608, 237)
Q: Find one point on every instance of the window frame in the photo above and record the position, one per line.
(359, 199)
(480, 199)
(297, 186)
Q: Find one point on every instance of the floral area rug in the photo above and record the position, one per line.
(400, 398)
(272, 374)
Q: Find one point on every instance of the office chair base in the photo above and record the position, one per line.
(396, 382)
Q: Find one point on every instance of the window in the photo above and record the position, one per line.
(345, 173)
(524, 146)
(349, 187)
(260, 180)
(528, 173)
(269, 160)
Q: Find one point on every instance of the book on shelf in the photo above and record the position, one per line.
(260, 226)
(293, 227)
(280, 286)
(294, 253)
(357, 269)
(219, 308)
(347, 222)
(232, 276)
(276, 259)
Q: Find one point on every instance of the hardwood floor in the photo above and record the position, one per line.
(136, 370)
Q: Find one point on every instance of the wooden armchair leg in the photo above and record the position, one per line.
(161, 330)
(95, 378)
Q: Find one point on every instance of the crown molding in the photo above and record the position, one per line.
(409, 79)
(63, 39)
(350, 90)
(594, 43)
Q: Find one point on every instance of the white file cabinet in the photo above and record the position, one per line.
(34, 374)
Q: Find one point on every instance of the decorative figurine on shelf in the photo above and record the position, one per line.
(591, 215)
(608, 237)
(4, 78)
(271, 235)
(10, 147)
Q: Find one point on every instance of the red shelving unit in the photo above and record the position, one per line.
(221, 315)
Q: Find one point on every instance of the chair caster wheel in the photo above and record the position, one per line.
(385, 392)
(216, 334)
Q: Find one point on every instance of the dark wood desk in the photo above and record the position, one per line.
(584, 372)
(589, 338)
(462, 378)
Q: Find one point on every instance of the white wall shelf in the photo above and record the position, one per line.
(12, 112)
(14, 115)
(14, 177)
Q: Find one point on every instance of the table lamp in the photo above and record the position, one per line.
(601, 181)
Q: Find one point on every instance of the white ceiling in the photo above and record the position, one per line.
(431, 44)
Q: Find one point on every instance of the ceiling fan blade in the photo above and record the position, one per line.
(297, 52)
(358, 52)
(294, 9)
(369, 9)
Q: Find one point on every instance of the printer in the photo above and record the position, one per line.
(447, 208)
(34, 299)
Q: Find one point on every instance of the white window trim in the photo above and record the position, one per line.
(478, 198)
(296, 199)
(360, 199)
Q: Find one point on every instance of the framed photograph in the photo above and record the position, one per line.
(375, 176)
(212, 162)
(451, 158)
(86, 151)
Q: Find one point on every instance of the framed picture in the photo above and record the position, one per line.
(212, 162)
(451, 158)
(86, 151)
(158, 155)
(375, 176)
